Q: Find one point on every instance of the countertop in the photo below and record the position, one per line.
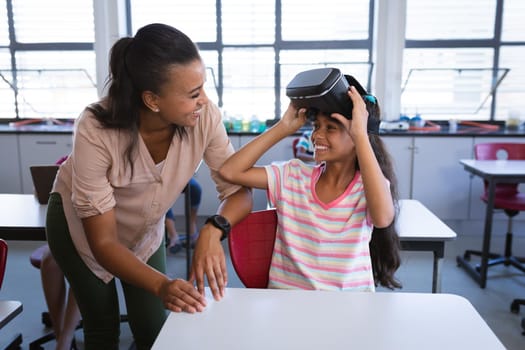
(443, 130)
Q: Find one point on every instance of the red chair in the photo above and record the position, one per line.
(251, 244)
(507, 197)
(3, 260)
(294, 145)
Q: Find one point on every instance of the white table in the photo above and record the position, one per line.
(421, 230)
(494, 172)
(22, 218)
(9, 309)
(253, 319)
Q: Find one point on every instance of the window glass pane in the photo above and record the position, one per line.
(445, 83)
(513, 20)
(249, 83)
(450, 19)
(196, 18)
(54, 21)
(351, 62)
(7, 95)
(248, 21)
(324, 20)
(4, 33)
(55, 84)
(210, 59)
(511, 93)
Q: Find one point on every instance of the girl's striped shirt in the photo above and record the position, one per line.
(322, 246)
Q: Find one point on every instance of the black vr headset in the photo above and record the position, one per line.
(326, 90)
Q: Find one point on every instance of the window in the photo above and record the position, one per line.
(254, 48)
(462, 59)
(47, 64)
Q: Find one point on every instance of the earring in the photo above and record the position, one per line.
(156, 110)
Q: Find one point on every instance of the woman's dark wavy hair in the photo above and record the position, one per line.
(384, 245)
(136, 65)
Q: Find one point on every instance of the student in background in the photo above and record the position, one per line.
(60, 300)
(133, 153)
(304, 149)
(335, 219)
(175, 244)
(61, 304)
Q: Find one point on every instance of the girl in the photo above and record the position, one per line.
(335, 219)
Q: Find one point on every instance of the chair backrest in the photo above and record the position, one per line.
(490, 151)
(251, 243)
(500, 150)
(3, 260)
(294, 145)
(43, 177)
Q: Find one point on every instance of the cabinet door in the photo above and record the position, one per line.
(439, 181)
(10, 169)
(41, 149)
(400, 149)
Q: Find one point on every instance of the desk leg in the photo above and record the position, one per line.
(487, 234)
(187, 210)
(480, 275)
(436, 274)
(438, 250)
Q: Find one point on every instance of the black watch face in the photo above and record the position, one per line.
(221, 220)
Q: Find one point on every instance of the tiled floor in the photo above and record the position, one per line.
(22, 282)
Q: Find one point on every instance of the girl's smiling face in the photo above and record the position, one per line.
(331, 140)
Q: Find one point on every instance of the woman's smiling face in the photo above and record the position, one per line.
(182, 97)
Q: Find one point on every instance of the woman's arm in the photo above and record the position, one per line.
(177, 295)
(209, 258)
(240, 169)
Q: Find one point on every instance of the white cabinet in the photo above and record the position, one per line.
(438, 180)
(428, 169)
(10, 169)
(401, 151)
(41, 149)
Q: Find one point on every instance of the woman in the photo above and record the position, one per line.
(133, 153)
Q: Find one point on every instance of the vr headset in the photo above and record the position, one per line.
(326, 90)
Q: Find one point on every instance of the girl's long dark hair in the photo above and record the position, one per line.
(136, 65)
(384, 245)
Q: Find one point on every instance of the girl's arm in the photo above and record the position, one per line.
(240, 169)
(377, 188)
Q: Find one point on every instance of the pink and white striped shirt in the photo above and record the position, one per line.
(322, 246)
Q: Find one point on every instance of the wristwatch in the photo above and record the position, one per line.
(221, 223)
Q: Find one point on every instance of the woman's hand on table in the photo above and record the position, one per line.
(209, 261)
(179, 295)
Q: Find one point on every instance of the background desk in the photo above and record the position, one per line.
(8, 310)
(493, 171)
(296, 319)
(23, 218)
(420, 230)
